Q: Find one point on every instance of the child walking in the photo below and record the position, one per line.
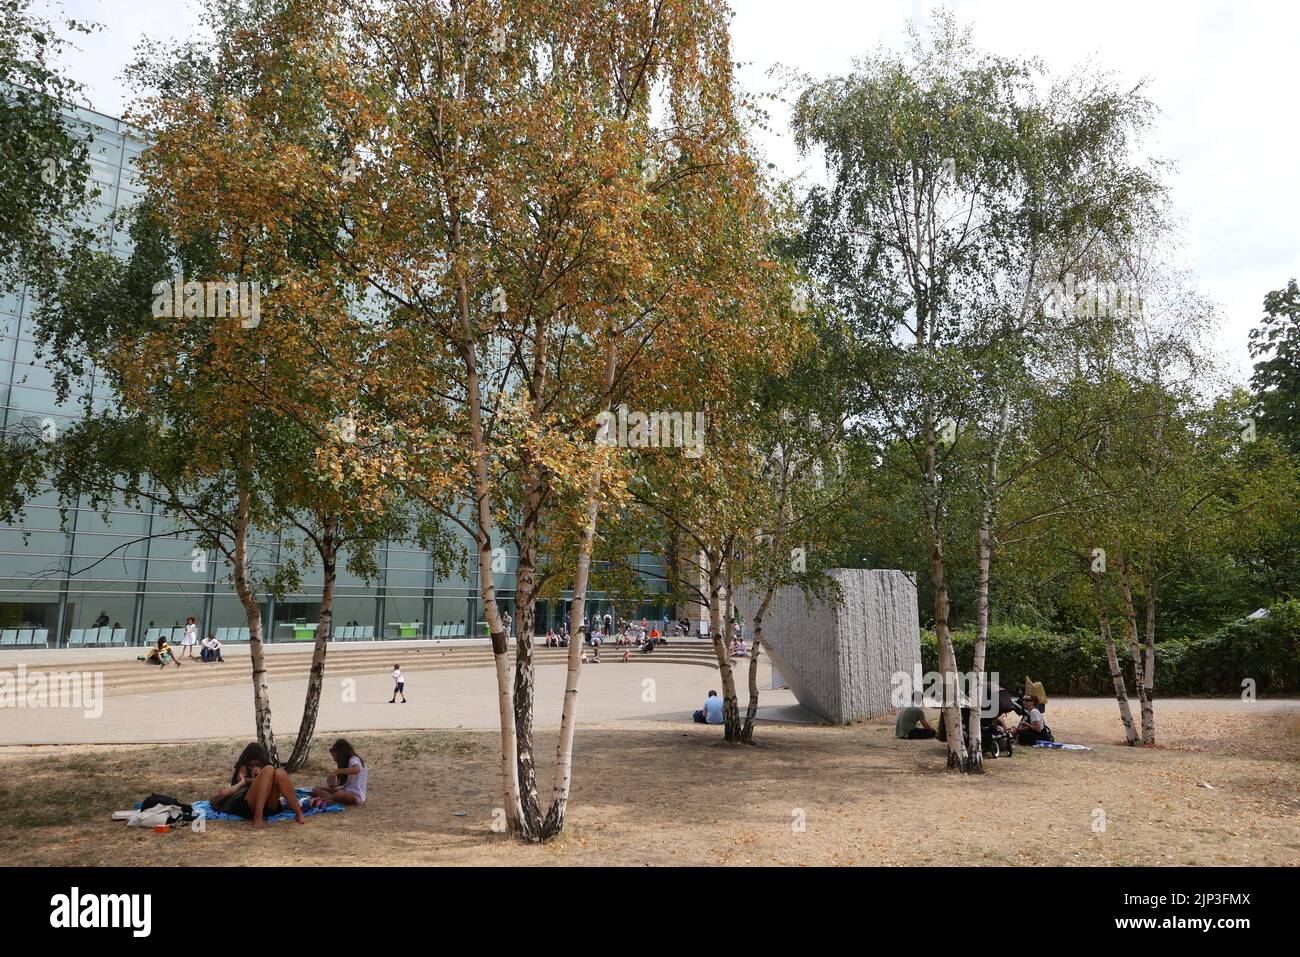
(399, 685)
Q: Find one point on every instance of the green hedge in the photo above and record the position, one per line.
(1265, 649)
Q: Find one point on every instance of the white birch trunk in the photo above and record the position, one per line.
(487, 588)
(563, 779)
(324, 625)
(247, 598)
(1135, 649)
(1112, 659)
(730, 700)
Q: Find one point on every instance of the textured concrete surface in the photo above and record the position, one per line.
(838, 657)
(464, 698)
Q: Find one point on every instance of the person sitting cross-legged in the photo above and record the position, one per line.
(347, 783)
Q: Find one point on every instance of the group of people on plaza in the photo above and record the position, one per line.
(162, 654)
(628, 635)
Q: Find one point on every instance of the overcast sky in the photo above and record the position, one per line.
(1224, 75)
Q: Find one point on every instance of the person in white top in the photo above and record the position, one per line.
(347, 783)
(190, 638)
(399, 685)
(211, 649)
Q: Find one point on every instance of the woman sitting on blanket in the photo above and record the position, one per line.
(256, 789)
(347, 784)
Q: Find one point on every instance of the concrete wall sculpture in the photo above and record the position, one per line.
(839, 660)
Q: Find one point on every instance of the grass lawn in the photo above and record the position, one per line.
(658, 793)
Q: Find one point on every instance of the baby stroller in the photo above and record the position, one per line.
(996, 739)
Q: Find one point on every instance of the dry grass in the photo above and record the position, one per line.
(656, 793)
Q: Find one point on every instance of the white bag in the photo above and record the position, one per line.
(158, 814)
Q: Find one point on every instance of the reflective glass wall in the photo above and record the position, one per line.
(127, 577)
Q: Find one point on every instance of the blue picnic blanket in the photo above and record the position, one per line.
(1058, 746)
(204, 808)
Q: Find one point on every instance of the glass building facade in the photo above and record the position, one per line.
(125, 578)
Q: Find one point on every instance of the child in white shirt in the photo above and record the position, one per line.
(399, 685)
(347, 783)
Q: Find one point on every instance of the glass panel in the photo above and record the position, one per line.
(43, 554)
(447, 615)
(228, 614)
(31, 374)
(355, 610)
(404, 614)
(101, 605)
(40, 402)
(18, 610)
(168, 605)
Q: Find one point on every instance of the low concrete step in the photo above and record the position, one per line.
(199, 675)
(381, 654)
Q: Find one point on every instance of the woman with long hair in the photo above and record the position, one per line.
(256, 789)
(347, 783)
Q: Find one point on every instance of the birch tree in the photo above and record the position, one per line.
(958, 193)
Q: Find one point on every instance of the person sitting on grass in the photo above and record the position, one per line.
(347, 784)
(256, 789)
(711, 713)
(161, 653)
(1032, 727)
(912, 726)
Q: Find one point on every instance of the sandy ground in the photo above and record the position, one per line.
(653, 792)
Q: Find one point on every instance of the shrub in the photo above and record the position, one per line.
(1266, 650)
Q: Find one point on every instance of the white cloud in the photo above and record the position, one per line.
(1224, 76)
